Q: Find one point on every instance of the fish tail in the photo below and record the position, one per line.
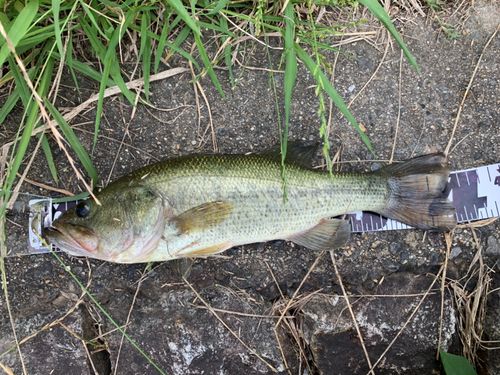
(416, 192)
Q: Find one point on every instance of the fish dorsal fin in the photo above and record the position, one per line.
(329, 234)
(296, 152)
(203, 217)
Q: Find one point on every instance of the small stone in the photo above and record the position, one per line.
(456, 251)
(434, 259)
(492, 82)
(362, 127)
(365, 63)
(221, 132)
(395, 248)
(375, 166)
(391, 267)
(478, 156)
(493, 247)
(404, 257)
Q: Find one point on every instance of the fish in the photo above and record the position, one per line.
(203, 204)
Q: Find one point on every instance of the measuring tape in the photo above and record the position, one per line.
(475, 193)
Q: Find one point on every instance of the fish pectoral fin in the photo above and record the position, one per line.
(211, 250)
(329, 234)
(201, 218)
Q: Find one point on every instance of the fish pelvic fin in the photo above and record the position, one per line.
(329, 234)
(416, 193)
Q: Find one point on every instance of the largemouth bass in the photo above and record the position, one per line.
(201, 205)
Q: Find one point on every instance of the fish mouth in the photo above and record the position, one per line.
(71, 238)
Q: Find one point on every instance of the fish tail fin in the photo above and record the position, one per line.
(416, 192)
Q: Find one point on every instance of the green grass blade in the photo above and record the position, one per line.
(92, 36)
(379, 12)
(42, 91)
(56, 4)
(9, 105)
(220, 4)
(456, 365)
(114, 71)
(163, 39)
(208, 65)
(93, 20)
(145, 52)
(19, 27)
(21, 86)
(290, 70)
(73, 141)
(227, 49)
(49, 157)
(182, 12)
(332, 93)
(100, 100)
(86, 70)
(70, 63)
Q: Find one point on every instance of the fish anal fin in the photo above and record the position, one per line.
(211, 250)
(329, 234)
(203, 217)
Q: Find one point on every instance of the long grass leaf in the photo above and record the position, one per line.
(379, 12)
(70, 63)
(9, 104)
(42, 91)
(86, 70)
(100, 100)
(145, 51)
(92, 36)
(220, 4)
(227, 49)
(332, 93)
(163, 38)
(56, 4)
(182, 12)
(93, 20)
(290, 70)
(73, 141)
(48, 155)
(19, 28)
(24, 91)
(208, 65)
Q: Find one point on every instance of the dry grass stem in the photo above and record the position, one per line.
(353, 316)
(7, 369)
(143, 277)
(449, 239)
(300, 286)
(409, 318)
(446, 152)
(371, 78)
(15, 192)
(47, 187)
(227, 327)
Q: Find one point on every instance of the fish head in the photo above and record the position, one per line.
(125, 227)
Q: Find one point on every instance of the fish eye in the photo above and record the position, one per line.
(83, 209)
